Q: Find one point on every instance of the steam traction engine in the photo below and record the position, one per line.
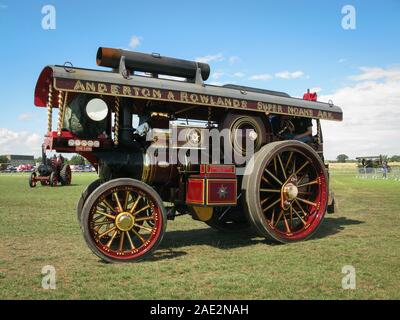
(170, 162)
(51, 172)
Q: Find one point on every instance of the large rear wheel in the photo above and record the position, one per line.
(113, 219)
(286, 191)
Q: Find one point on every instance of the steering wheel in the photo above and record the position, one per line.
(287, 126)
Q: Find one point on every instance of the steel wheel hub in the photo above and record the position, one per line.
(291, 191)
(253, 135)
(125, 221)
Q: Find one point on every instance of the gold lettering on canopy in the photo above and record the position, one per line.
(192, 98)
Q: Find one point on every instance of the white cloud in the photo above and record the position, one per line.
(24, 117)
(368, 73)
(217, 75)
(134, 42)
(315, 89)
(371, 115)
(3, 6)
(12, 142)
(210, 58)
(264, 76)
(342, 60)
(239, 74)
(233, 59)
(289, 75)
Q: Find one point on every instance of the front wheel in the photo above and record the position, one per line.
(286, 191)
(32, 180)
(84, 195)
(65, 175)
(113, 219)
(53, 179)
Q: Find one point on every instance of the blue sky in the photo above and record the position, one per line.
(281, 45)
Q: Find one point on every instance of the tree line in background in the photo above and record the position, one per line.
(79, 160)
(75, 160)
(342, 158)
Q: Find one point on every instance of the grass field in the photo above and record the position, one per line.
(38, 227)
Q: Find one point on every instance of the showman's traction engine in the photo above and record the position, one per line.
(166, 144)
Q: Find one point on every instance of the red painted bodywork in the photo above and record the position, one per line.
(205, 188)
(217, 168)
(310, 96)
(42, 88)
(195, 191)
(60, 144)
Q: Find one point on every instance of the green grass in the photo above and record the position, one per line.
(38, 227)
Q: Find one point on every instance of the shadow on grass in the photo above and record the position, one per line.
(331, 226)
(174, 240)
(211, 237)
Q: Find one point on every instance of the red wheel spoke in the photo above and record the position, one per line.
(273, 176)
(286, 224)
(115, 194)
(301, 208)
(279, 217)
(273, 216)
(302, 220)
(145, 218)
(288, 161)
(126, 200)
(141, 210)
(106, 214)
(307, 202)
(135, 204)
(98, 218)
(302, 167)
(291, 216)
(121, 241)
(143, 227)
(270, 190)
(102, 223)
(138, 235)
(130, 240)
(307, 193)
(271, 205)
(108, 205)
(308, 183)
(281, 164)
(107, 232)
(265, 179)
(109, 243)
(264, 201)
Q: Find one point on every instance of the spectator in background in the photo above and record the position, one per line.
(384, 169)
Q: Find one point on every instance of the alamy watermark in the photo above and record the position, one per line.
(49, 277)
(49, 18)
(349, 17)
(194, 145)
(349, 280)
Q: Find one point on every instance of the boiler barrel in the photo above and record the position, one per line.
(136, 61)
